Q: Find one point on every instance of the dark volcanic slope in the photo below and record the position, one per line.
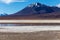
(37, 10)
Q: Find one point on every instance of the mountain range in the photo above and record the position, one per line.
(35, 11)
(4, 14)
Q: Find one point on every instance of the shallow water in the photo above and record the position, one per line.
(11, 24)
(19, 24)
(7, 24)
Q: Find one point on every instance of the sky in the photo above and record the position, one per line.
(13, 6)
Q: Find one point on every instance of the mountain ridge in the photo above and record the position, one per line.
(37, 11)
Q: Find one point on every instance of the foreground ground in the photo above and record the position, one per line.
(30, 33)
(43, 35)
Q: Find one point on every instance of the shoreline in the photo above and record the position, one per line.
(23, 29)
(29, 21)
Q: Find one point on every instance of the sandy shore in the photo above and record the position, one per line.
(29, 21)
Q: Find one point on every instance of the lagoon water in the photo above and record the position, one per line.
(7, 24)
(11, 24)
(21, 28)
(18, 24)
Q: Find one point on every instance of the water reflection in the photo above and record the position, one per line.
(7, 24)
(11, 24)
(16, 24)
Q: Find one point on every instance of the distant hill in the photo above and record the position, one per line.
(4, 14)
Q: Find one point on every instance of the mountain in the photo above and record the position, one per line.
(4, 14)
(35, 8)
(37, 11)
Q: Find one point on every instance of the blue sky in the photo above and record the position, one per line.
(16, 6)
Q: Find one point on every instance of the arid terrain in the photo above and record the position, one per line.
(30, 33)
(43, 35)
